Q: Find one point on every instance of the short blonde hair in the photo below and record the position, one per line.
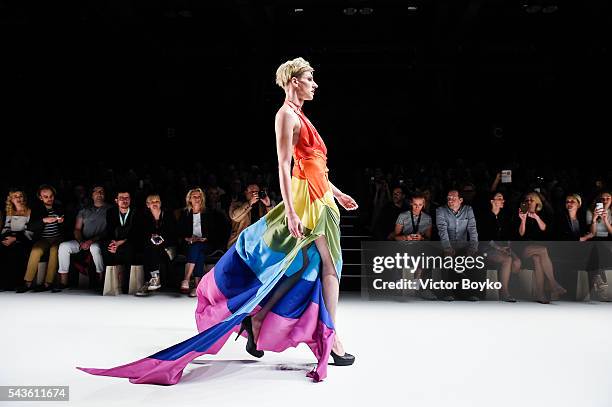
(577, 197)
(151, 197)
(290, 69)
(537, 199)
(188, 198)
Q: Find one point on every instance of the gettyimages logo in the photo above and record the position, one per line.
(391, 268)
(412, 263)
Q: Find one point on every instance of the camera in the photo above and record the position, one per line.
(262, 194)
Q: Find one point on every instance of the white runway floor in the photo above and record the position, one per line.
(413, 353)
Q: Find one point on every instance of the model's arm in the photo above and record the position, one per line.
(346, 201)
(286, 139)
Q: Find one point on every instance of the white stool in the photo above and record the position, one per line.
(583, 287)
(112, 284)
(136, 278)
(492, 294)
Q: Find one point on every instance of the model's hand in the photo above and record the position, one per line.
(295, 225)
(347, 202)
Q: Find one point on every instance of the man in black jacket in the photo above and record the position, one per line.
(123, 238)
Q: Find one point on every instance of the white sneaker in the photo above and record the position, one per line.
(154, 283)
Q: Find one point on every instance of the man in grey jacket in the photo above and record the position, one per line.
(459, 237)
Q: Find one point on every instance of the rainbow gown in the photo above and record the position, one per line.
(264, 255)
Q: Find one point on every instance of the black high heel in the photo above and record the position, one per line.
(345, 360)
(251, 346)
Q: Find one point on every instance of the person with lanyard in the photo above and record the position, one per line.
(415, 225)
(122, 240)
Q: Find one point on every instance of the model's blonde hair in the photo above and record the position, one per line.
(9, 207)
(290, 69)
(188, 198)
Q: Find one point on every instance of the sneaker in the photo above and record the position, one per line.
(428, 295)
(601, 289)
(154, 283)
(143, 291)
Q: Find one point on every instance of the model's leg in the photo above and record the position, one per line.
(281, 290)
(331, 288)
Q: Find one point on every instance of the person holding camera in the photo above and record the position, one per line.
(245, 213)
(534, 225)
(160, 242)
(599, 219)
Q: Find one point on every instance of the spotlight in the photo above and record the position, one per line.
(296, 12)
(413, 8)
(550, 9)
(366, 11)
(350, 11)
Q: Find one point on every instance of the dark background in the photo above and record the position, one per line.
(478, 79)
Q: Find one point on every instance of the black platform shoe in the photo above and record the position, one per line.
(251, 346)
(345, 360)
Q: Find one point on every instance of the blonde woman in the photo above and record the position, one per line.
(196, 229)
(535, 225)
(284, 269)
(15, 240)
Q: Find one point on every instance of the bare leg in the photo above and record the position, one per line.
(331, 288)
(279, 292)
(547, 268)
(189, 267)
(505, 265)
(539, 277)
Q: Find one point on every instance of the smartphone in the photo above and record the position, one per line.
(157, 240)
(524, 207)
(506, 176)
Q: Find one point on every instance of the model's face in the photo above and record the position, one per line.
(498, 201)
(453, 200)
(97, 195)
(417, 205)
(571, 203)
(123, 200)
(304, 85)
(17, 198)
(47, 197)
